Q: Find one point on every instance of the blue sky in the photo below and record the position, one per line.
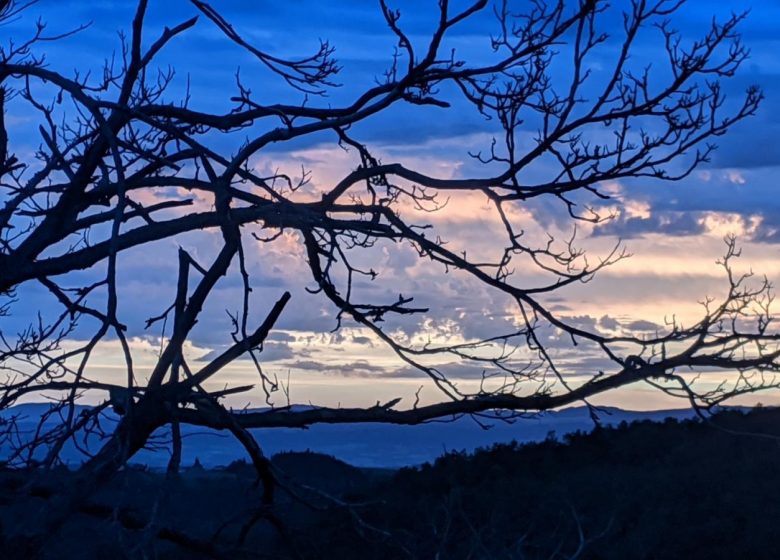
(674, 230)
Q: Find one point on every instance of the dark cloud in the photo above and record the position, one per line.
(357, 368)
(274, 351)
(582, 322)
(591, 365)
(279, 336)
(311, 365)
(642, 325)
(668, 223)
(609, 323)
(364, 340)
(768, 230)
(450, 371)
(271, 352)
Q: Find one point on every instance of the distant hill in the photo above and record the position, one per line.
(364, 445)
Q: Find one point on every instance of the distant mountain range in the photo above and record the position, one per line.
(363, 445)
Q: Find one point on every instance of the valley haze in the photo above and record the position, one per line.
(361, 445)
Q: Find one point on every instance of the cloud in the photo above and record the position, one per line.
(643, 325)
(356, 368)
(673, 228)
(281, 336)
(364, 340)
(271, 352)
(609, 323)
(453, 371)
(667, 223)
(307, 365)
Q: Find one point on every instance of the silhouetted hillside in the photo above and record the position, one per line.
(646, 490)
(317, 471)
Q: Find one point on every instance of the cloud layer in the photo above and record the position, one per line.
(674, 230)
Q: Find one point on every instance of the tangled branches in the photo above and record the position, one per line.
(120, 167)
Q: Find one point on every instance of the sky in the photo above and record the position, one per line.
(674, 231)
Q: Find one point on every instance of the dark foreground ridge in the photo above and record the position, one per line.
(645, 490)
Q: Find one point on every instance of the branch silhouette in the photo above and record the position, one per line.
(125, 168)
